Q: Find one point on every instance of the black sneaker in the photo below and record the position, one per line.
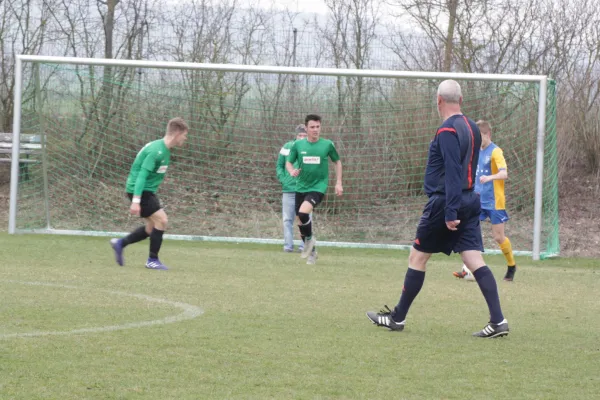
(510, 273)
(493, 330)
(384, 318)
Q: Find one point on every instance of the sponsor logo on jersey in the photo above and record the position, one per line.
(162, 169)
(311, 160)
(284, 152)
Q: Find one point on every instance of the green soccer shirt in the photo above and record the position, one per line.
(312, 160)
(288, 182)
(149, 168)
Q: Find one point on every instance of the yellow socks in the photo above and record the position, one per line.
(507, 251)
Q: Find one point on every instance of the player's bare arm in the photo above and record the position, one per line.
(339, 189)
(135, 208)
(501, 175)
(290, 168)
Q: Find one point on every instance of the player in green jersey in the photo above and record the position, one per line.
(146, 174)
(313, 178)
(288, 186)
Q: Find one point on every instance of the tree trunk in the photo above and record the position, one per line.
(452, 6)
(107, 77)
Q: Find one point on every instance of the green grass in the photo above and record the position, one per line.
(274, 327)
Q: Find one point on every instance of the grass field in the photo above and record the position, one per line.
(234, 321)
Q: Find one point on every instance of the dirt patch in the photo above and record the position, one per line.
(4, 195)
(4, 173)
(4, 199)
(578, 212)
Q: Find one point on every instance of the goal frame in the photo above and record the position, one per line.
(541, 123)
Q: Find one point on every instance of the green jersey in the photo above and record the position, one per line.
(312, 160)
(288, 182)
(149, 168)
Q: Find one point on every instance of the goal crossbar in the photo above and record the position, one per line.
(280, 69)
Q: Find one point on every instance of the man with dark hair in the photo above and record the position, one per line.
(450, 220)
(146, 174)
(312, 171)
(288, 186)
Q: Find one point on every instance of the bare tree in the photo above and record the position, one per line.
(204, 33)
(349, 34)
(107, 10)
(476, 35)
(23, 29)
(550, 37)
(266, 43)
(576, 39)
(431, 16)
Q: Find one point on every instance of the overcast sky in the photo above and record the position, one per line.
(314, 6)
(387, 12)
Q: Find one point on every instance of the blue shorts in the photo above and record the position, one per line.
(433, 236)
(496, 216)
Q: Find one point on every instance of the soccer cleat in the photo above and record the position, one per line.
(154, 263)
(288, 250)
(459, 274)
(312, 259)
(493, 330)
(117, 246)
(510, 273)
(308, 247)
(464, 274)
(384, 318)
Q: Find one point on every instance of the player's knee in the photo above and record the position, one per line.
(303, 217)
(164, 222)
(417, 260)
(305, 208)
(160, 221)
(499, 238)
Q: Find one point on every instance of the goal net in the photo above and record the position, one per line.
(93, 119)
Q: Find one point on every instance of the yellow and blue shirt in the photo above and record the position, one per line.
(491, 161)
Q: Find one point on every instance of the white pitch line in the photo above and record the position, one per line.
(189, 312)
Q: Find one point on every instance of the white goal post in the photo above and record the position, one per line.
(27, 61)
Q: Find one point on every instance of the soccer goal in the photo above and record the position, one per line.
(95, 114)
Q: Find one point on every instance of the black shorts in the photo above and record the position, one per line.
(313, 198)
(149, 203)
(433, 236)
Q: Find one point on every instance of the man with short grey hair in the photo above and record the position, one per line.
(288, 185)
(450, 220)
(450, 91)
